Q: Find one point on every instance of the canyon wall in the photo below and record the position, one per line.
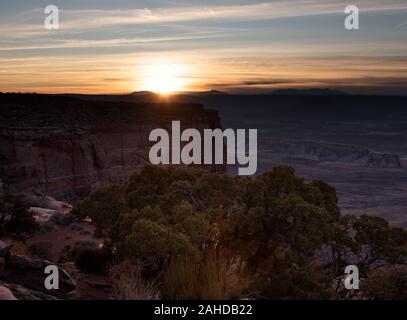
(65, 147)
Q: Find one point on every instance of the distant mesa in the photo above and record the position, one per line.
(310, 92)
(142, 93)
(190, 93)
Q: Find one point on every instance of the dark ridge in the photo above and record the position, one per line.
(306, 106)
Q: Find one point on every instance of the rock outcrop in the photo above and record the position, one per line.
(22, 278)
(326, 152)
(382, 160)
(25, 278)
(65, 147)
(6, 294)
(12, 291)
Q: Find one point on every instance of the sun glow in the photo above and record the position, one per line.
(164, 78)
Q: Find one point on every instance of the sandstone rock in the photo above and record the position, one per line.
(6, 294)
(42, 215)
(64, 147)
(30, 274)
(20, 292)
(57, 206)
(74, 295)
(39, 200)
(44, 208)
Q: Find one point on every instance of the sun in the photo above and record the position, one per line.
(164, 78)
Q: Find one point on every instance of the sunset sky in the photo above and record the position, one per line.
(251, 46)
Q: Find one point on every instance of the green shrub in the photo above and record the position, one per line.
(104, 207)
(156, 244)
(16, 219)
(388, 283)
(270, 227)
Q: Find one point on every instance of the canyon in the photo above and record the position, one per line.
(356, 143)
(65, 146)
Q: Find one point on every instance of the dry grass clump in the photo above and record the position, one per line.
(213, 278)
(128, 283)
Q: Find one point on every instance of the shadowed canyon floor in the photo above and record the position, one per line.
(356, 143)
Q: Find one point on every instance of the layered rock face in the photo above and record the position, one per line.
(65, 147)
(336, 153)
(23, 278)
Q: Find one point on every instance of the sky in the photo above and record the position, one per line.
(123, 46)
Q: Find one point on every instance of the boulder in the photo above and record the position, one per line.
(30, 274)
(52, 204)
(6, 294)
(42, 215)
(18, 292)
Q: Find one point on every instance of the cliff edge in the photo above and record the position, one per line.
(65, 147)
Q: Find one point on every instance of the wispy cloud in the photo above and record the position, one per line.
(401, 25)
(79, 43)
(227, 46)
(86, 19)
(250, 83)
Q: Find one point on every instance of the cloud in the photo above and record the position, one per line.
(250, 83)
(116, 79)
(83, 19)
(79, 43)
(86, 19)
(401, 25)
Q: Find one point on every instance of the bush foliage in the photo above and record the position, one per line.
(273, 236)
(16, 220)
